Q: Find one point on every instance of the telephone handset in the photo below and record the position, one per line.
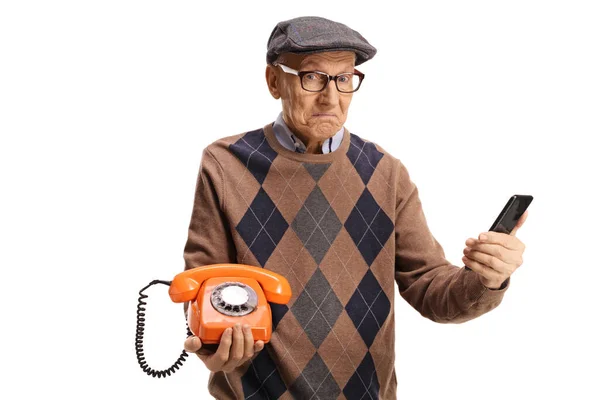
(220, 296)
(225, 294)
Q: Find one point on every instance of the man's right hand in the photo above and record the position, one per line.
(236, 347)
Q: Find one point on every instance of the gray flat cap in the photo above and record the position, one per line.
(307, 35)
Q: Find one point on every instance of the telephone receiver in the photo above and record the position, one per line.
(222, 295)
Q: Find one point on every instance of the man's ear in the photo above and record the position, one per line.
(272, 81)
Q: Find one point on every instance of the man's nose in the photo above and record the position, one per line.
(330, 92)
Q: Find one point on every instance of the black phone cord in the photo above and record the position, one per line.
(139, 338)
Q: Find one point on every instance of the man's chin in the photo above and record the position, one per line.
(325, 130)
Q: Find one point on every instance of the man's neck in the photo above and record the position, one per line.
(314, 148)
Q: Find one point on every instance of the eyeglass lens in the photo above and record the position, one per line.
(316, 82)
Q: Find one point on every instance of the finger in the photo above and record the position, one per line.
(494, 250)
(192, 344)
(248, 342)
(258, 346)
(221, 356)
(520, 223)
(489, 261)
(482, 269)
(237, 349)
(504, 240)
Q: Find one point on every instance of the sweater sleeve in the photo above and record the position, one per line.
(209, 238)
(437, 289)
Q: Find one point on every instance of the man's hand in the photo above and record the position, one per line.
(236, 347)
(495, 256)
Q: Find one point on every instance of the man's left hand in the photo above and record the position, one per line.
(495, 256)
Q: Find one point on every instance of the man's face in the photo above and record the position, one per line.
(314, 117)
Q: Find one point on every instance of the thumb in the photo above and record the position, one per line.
(258, 346)
(192, 344)
(520, 223)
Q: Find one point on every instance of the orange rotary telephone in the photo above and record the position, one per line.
(221, 295)
(225, 294)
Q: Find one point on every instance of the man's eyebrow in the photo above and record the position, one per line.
(310, 66)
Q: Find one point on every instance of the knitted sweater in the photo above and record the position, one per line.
(342, 227)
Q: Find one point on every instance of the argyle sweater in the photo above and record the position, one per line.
(342, 228)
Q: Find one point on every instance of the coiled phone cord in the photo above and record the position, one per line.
(139, 337)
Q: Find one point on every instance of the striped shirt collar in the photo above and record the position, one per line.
(291, 142)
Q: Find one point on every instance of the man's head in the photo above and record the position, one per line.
(314, 116)
(314, 44)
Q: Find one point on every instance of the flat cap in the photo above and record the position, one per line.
(307, 35)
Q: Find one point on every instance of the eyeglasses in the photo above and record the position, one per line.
(316, 81)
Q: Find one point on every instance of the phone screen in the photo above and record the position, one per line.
(513, 210)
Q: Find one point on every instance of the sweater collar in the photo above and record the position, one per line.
(291, 142)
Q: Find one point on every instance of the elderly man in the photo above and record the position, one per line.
(340, 218)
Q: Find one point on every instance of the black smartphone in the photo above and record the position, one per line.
(510, 214)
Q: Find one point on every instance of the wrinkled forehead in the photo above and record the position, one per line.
(342, 60)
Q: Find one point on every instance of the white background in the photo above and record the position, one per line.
(105, 108)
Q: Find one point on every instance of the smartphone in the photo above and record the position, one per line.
(510, 214)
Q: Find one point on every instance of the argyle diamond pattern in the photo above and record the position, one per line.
(316, 224)
(316, 170)
(368, 308)
(364, 156)
(363, 384)
(368, 226)
(317, 308)
(254, 151)
(262, 227)
(262, 380)
(318, 317)
(311, 381)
